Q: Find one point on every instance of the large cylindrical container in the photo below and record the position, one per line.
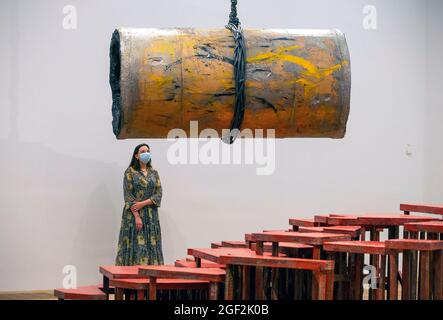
(298, 82)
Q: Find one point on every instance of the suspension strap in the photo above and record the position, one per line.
(239, 72)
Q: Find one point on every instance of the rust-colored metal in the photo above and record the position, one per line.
(297, 82)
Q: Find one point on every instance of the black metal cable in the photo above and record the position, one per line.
(239, 73)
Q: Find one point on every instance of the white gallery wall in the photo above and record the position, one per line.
(61, 167)
(433, 174)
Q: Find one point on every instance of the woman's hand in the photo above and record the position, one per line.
(138, 223)
(138, 206)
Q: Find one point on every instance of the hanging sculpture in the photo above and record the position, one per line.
(295, 81)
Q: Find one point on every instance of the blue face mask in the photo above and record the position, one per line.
(145, 157)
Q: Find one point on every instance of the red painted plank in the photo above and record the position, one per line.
(390, 219)
(321, 219)
(215, 254)
(162, 284)
(305, 238)
(278, 262)
(168, 271)
(234, 244)
(216, 244)
(311, 229)
(422, 208)
(343, 221)
(267, 246)
(302, 222)
(414, 244)
(359, 247)
(80, 293)
(429, 226)
(116, 272)
(193, 264)
(353, 231)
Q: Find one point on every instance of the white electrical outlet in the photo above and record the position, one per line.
(408, 150)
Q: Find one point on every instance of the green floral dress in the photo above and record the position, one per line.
(140, 247)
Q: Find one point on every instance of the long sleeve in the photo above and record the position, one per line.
(128, 189)
(158, 191)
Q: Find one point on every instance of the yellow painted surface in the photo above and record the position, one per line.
(183, 77)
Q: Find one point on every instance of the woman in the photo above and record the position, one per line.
(140, 237)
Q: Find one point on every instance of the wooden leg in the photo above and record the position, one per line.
(298, 284)
(259, 248)
(316, 254)
(373, 233)
(106, 286)
(377, 259)
(438, 272)
(371, 292)
(373, 259)
(414, 269)
(406, 276)
(213, 291)
(259, 293)
(229, 283)
(393, 233)
(330, 285)
(320, 278)
(140, 294)
(393, 281)
(274, 281)
(275, 249)
(341, 271)
(358, 277)
(424, 275)
(363, 234)
(432, 236)
(119, 293)
(245, 276)
(380, 295)
(405, 235)
(152, 288)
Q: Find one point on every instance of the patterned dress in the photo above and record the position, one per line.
(140, 247)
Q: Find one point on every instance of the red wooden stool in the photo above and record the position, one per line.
(214, 275)
(315, 239)
(432, 230)
(141, 286)
(323, 273)
(117, 272)
(185, 263)
(428, 267)
(353, 231)
(80, 293)
(356, 251)
(422, 208)
(296, 223)
(234, 244)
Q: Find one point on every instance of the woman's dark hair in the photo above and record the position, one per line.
(135, 164)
